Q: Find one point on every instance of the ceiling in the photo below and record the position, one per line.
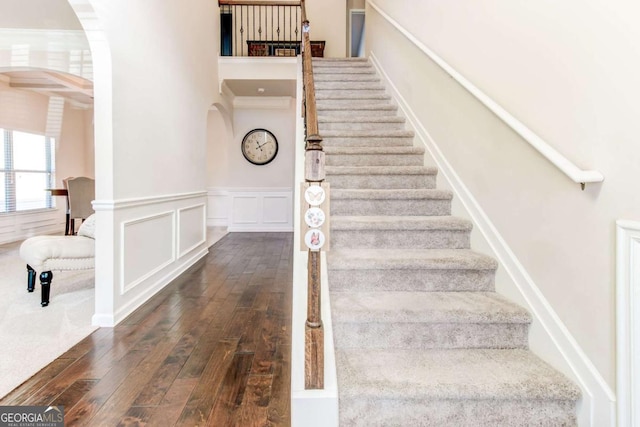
(269, 87)
(78, 92)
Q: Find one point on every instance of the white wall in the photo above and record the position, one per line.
(155, 79)
(329, 23)
(244, 196)
(569, 72)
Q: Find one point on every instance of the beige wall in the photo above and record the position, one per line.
(164, 80)
(329, 23)
(39, 14)
(569, 72)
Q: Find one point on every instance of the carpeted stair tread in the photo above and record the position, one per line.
(351, 95)
(405, 223)
(419, 307)
(368, 134)
(351, 69)
(348, 85)
(486, 374)
(340, 62)
(381, 170)
(345, 78)
(398, 194)
(360, 119)
(407, 259)
(360, 110)
(373, 150)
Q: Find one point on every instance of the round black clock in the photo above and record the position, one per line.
(259, 146)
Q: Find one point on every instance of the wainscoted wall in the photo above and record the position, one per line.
(628, 322)
(152, 241)
(251, 209)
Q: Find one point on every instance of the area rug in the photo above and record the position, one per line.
(33, 336)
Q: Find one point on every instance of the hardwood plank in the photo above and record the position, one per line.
(231, 394)
(73, 393)
(167, 413)
(112, 411)
(201, 401)
(254, 409)
(265, 352)
(279, 412)
(135, 416)
(251, 333)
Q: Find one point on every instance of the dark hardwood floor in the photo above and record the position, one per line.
(211, 349)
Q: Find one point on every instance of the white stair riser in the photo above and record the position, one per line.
(430, 335)
(415, 280)
(400, 239)
(390, 207)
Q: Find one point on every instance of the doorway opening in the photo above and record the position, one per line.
(356, 33)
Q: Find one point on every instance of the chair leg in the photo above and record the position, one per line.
(45, 282)
(31, 278)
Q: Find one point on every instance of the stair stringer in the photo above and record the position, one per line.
(549, 338)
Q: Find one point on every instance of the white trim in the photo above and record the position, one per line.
(111, 205)
(598, 402)
(204, 228)
(257, 61)
(565, 165)
(124, 288)
(160, 284)
(628, 322)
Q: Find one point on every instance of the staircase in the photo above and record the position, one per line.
(421, 337)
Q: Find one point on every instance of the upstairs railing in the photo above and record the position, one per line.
(259, 28)
(315, 200)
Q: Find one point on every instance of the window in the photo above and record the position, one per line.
(27, 168)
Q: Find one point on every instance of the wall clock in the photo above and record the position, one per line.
(259, 146)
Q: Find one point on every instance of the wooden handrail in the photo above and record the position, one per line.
(314, 175)
(576, 174)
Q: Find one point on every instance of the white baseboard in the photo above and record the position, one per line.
(555, 343)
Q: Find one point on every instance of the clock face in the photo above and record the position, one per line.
(259, 146)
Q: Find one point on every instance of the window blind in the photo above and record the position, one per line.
(26, 170)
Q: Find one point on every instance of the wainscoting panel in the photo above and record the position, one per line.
(192, 228)
(147, 247)
(276, 209)
(19, 226)
(251, 209)
(628, 322)
(217, 208)
(244, 209)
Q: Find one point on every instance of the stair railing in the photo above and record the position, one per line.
(259, 27)
(314, 177)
